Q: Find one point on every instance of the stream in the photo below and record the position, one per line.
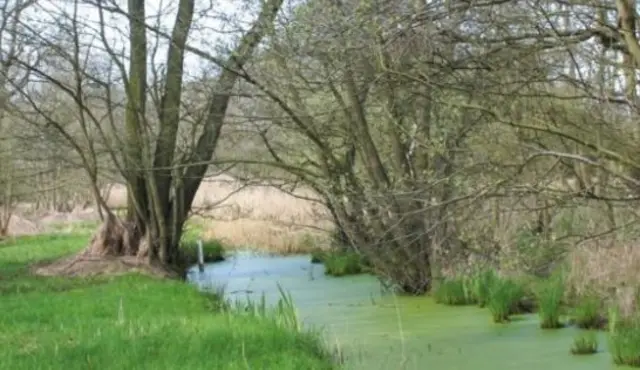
(377, 330)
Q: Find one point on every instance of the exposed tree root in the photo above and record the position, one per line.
(117, 238)
(116, 248)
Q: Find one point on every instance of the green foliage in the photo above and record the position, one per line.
(549, 296)
(213, 251)
(481, 286)
(137, 322)
(503, 299)
(624, 339)
(193, 229)
(585, 343)
(17, 254)
(308, 242)
(283, 313)
(344, 263)
(586, 314)
(318, 255)
(455, 292)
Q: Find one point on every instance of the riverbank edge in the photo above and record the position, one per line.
(273, 344)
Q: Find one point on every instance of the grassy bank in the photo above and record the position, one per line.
(132, 321)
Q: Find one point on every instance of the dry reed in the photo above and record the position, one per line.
(257, 216)
(609, 272)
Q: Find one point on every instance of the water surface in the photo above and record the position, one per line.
(382, 331)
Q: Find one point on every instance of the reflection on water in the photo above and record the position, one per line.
(382, 331)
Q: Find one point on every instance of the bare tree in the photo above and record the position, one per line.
(411, 120)
(161, 181)
(12, 47)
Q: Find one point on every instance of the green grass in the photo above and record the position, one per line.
(585, 344)
(344, 263)
(624, 339)
(503, 299)
(135, 321)
(75, 227)
(481, 286)
(586, 313)
(455, 292)
(549, 295)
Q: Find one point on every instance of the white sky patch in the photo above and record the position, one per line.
(217, 25)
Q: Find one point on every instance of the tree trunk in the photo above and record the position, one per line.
(160, 191)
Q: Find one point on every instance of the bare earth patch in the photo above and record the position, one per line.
(87, 266)
(114, 249)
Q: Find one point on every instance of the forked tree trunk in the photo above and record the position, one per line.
(159, 197)
(117, 237)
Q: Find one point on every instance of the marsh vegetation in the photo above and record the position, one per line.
(482, 155)
(113, 322)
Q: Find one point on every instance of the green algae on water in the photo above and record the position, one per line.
(379, 331)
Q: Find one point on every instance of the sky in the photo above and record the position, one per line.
(216, 25)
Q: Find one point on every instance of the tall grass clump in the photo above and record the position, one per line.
(586, 314)
(212, 251)
(549, 296)
(585, 344)
(284, 316)
(344, 263)
(318, 255)
(503, 299)
(454, 292)
(624, 339)
(481, 286)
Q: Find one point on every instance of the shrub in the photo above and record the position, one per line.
(481, 286)
(213, 251)
(318, 255)
(344, 263)
(585, 344)
(549, 295)
(624, 340)
(454, 292)
(503, 299)
(586, 315)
